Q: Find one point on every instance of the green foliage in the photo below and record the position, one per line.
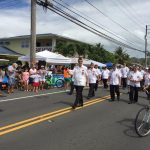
(95, 52)
(121, 56)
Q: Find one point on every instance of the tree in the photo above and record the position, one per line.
(121, 56)
(98, 53)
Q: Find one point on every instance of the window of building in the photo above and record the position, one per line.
(24, 43)
(4, 43)
(38, 44)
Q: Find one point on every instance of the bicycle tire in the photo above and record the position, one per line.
(142, 122)
(59, 83)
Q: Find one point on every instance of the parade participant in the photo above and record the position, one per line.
(11, 77)
(105, 75)
(124, 72)
(135, 79)
(115, 81)
(128, 75)
(93, 76)
(71, 83)
(80, 80)
(146, 87)
(98, 77)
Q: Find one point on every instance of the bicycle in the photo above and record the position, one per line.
(142, 120)
(55, 80)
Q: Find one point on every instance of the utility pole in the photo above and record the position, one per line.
(33, 33)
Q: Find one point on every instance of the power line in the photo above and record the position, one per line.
(124, 9)
(92, 22)
(83, 25)
(112, 19)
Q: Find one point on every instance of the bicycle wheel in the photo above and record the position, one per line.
(142, 122)
(59, 83)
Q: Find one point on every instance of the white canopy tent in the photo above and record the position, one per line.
(87, 62)
(49, 57)
(97, 63)
(4, 60)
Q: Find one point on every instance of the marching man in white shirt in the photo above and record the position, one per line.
(98, 76)
(124, 73)
(105, 75)
(80, 77)
(135, 77)
(92, 78)
(115, 81)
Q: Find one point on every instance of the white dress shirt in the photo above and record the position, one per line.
(105, 74)
(137, 76)
(147, 79)
(80, 75)
(92, 75)
(115, 76)
(124, 72)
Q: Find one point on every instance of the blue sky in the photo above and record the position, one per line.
(13, 4)
(132, 15)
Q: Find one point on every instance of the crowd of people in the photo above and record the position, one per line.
(133, 78)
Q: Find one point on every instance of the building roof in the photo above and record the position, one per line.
(7, 51)
(42, 35)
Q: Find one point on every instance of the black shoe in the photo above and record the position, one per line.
(74, 106)
(118, 98)
(130, 102)
(111, 100)
(134, 102)
(69, 93)
(80, 105)
(88, 97)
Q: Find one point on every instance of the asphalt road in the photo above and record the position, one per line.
(100, 125)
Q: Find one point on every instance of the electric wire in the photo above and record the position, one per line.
(112, 20)
(83, 25)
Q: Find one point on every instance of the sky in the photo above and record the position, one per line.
(124, 18)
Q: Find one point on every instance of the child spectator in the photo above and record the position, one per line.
(36, 82)
(42, 73)
(25, 78)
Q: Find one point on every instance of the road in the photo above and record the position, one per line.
(46, 121)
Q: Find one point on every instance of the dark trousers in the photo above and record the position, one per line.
(114, 89)
(79, 97)
(124, 82)
(71, 87)
(133, 95)
(91, 89)
(96, 85)
(105, 83)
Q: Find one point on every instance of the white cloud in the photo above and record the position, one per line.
(17, 22)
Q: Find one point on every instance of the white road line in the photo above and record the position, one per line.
(13, 99)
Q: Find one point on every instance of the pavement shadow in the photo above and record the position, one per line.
(139, 104)
(1, 110)
(130, 130)
(65, 103)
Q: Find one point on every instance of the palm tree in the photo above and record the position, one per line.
(121, 55)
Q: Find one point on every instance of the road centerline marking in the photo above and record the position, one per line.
(41, 118)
